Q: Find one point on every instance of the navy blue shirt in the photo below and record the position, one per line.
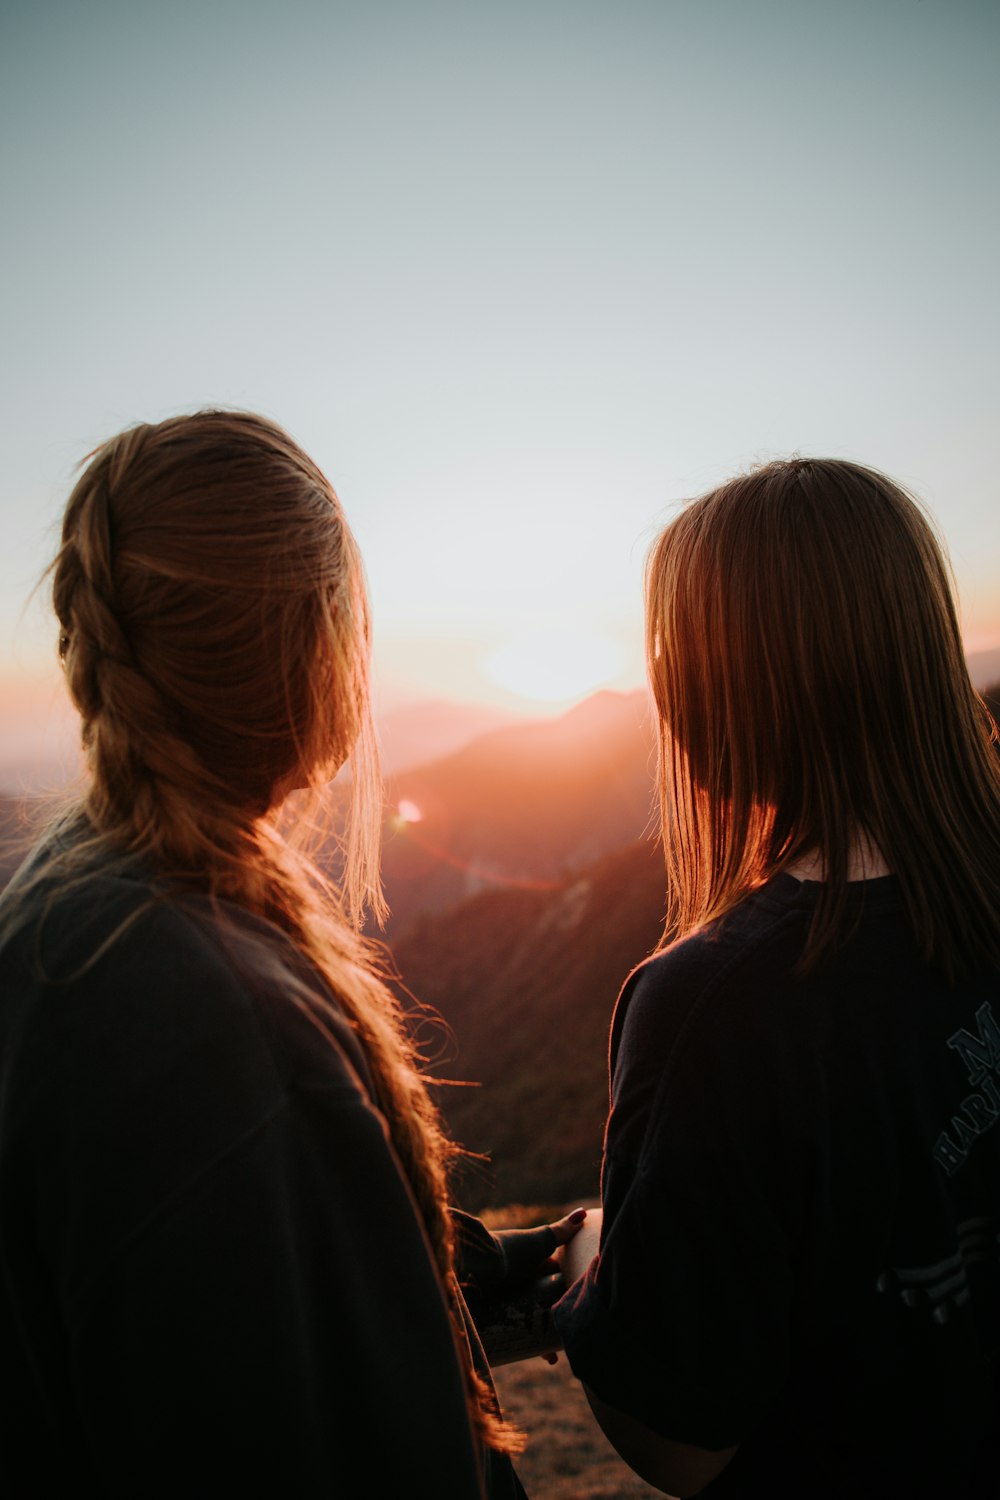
(801, 1190)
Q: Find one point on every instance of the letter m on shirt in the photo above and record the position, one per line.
(981, 1054)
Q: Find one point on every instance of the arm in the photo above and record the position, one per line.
(675, 1468)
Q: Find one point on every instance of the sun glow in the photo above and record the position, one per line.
(555, 666)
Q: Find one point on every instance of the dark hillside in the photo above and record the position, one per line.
(527, 981)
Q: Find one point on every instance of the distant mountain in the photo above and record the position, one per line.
(984, 668)
(527, 980)
(518, 807)
(416, 733)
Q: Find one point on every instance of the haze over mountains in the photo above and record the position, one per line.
(412, 734)
(984, 670)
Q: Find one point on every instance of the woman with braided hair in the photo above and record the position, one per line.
(228, 1261)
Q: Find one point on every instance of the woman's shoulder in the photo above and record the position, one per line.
(160, 1052)
(107, 966)
(88, 923)
(676, 995)
(759, 939)
(740, 976)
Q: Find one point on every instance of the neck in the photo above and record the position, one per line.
(865, 862)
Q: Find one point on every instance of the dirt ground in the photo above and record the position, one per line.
(567, 1456)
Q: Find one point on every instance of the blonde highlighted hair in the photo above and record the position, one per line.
(214, 630)
(807, 667)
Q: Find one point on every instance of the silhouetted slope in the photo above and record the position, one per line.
(527, 981)
(524, 804)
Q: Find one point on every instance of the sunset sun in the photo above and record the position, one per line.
(554, 666)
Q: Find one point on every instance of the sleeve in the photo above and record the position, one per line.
(683, 1319)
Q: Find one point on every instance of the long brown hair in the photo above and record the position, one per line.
(215, 638)
(806, 663)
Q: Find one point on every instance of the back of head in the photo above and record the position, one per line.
(214, 630)
(807, 666)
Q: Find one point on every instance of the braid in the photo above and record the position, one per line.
(83, 593)
(138, 764)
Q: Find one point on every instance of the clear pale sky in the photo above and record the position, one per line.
(520, 276)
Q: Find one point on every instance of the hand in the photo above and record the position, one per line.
(514, 1316)
(565, 1229)
(575, 1253)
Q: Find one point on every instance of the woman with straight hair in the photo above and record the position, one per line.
(797, 1288)
(228, 1262)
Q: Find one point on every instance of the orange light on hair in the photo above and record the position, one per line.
(807, 668)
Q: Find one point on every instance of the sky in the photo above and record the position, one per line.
(521, 277)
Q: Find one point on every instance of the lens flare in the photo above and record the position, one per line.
(402, 822)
